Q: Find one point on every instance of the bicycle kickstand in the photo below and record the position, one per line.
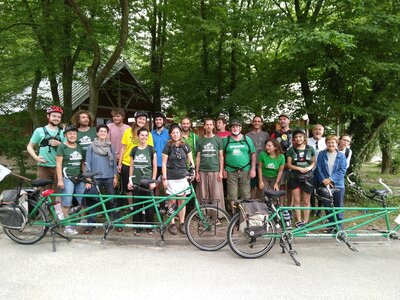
(288, 248)
(54, 232)
(162, 231)
(107, 229)
(342, 237)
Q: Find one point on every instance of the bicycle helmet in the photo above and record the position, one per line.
(159, 114)
(235, 122)
(173, 126)
(299, 130)
(70, 128)
(140, 113)
(53, 108)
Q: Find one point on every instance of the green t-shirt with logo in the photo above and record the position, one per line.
(270, 166)
(238, 153)
(72, 159)
(209, 153)
(142, 163)
(86, 138)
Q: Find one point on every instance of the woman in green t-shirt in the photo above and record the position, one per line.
(271, 163)
(69, 167)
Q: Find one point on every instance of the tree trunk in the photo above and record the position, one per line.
(362, 138)
(33, 100)
(95, 76)
(385, 144)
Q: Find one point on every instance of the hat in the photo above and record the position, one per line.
(284, 115)
(70, 128)
(235, 122)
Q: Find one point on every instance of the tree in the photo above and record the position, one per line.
(97, 75)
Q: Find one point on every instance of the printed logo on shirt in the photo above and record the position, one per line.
(85, 140)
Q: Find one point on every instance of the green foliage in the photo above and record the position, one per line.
(14, 139)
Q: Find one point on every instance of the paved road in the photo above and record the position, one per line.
(87, 269)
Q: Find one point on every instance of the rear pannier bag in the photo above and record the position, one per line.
(13, 216)
(253, 214)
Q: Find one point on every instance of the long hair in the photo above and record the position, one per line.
(76, 116)
(276, 144)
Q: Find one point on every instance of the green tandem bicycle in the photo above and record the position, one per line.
(252, 236)
(27, 214)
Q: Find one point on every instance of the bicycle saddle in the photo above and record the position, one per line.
(380, 193)
(147, 182)
(41, 182)
(90, 174)
(324, 192)
(274, 194)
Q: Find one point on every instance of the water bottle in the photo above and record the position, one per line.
(286, 219)
(172, 209)
(59, 212)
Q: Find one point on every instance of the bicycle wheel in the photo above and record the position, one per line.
(249, 247)
(34, 230)
(209, 231)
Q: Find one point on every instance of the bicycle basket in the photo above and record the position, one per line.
(252, 214)
(13, 216)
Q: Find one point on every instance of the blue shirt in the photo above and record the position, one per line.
(160, 140)
(338, 172)
(100, 163)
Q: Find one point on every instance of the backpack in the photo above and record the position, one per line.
(347, 153)
(248, 146)
(305, 153)
(48, 137)
(285, 144)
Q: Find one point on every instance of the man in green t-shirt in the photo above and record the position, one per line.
(210, 165)
(47, 139)
(240, 163)
(83, 120)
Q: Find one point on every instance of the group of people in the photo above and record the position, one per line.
(229, 165)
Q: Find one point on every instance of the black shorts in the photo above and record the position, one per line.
(306, 187)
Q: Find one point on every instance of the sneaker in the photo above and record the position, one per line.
(173, 230)
(70, 230)
(150, 231)
(182, 228)
(218, 222)
(137, 232)
(119, 229)
(74, 209)
(300, 224)
(89, 229)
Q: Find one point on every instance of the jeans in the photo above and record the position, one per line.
(338, 201)
(104, 184)
(71, 188)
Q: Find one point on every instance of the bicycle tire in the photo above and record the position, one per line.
(34, 230)
(208, 234)
(248, 247)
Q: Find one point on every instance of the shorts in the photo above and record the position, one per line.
(306, 187)
(175, 186)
